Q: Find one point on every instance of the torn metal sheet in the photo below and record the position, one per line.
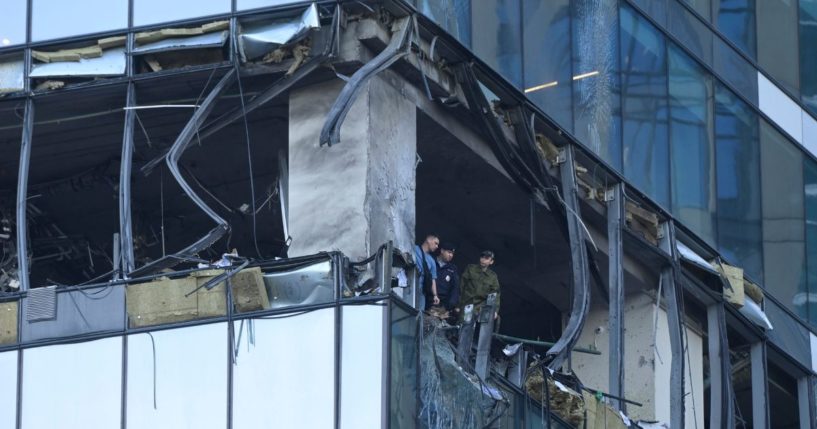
(257, 39)
(208, 40)
(690, 256)
(312, 284)
(111, 63)
(396, 49)
(12, 75)
(176, 151)
(755, 314)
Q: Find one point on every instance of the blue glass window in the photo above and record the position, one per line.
(737, 154)
(781, 171)
(13, 23)
(147, 12)
(808, 53)
(810, 179)
(703, 7)
(499, 39)
(691, 140)
(777, 51)
(736, 20)
(53, 19)
(644, 106)
(690, 31)
(453, 15)
(547, 58)
(596, 88)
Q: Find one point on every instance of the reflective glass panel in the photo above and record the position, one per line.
(644, 106)
(655, 9)
(190, 376)
(737, 153)
(147, 12)
(361, 380)
(783, 399)
(597, 109)
(13, 23)
(734, 69)
(8, 389)
(547, 58)
(691, 140)
(808, 53)
(252, 4)
(73, 386)
(777, 51)
(53, 19)
(499, 39)
(810, 183)
(781, 175)
(690, 31)
(284, 374)
(736, 20)
(703, 7)
(453, 15)
(404, 368)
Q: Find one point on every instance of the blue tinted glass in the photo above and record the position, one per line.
(644, 106)
(655, 9)
(499, 39)
(808, 53)
(738, 168)
(547, 58)
(597, 108)
(53, 19)
(810, 179)
(702, 7)
(734, 69)
(736, 20)
(13, 23)
(690, 31)
(777, 51)
(453, 15)
(691, 140)
(781, 172)
(153, 11)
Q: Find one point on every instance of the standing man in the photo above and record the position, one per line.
(427, 269)
(448, 279)
(479, 281)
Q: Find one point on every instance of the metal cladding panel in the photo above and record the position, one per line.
(78, 312)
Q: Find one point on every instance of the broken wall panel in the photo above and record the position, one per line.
(175, 48)
(12, 74)
(72, 209)
(260, 37)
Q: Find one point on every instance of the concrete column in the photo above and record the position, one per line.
(358, 194)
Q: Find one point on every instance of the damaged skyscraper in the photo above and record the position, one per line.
(208, 212)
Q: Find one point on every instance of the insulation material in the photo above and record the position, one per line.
(753, 291)
(168, 33)
(602, 416)
(643, 222)
(257, 39)
(61, 55)
(110, 63)
(166, 300)
(247, 286)
(209, 40)
(564, 402)
(734, 275)
(8, 322)
(112, 42)
(11, 75)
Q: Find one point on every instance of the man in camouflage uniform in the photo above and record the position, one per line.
(479, 281)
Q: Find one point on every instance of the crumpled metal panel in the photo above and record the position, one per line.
(79, 312)
(209, 40)
(313, 284)
(11, 75)
(258, 39)
(689, 255)
(111, 63)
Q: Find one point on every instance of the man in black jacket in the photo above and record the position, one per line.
(448, 279)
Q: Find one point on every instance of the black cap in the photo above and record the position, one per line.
(447, 245)
(487, 254)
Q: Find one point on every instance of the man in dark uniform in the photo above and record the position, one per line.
(479, 281)
(448, 279)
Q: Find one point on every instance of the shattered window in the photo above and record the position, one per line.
(89, 376)
(53, 19)
(8, 389)
(146, 12)
(178, 378)
(13, 23)
(284, 373)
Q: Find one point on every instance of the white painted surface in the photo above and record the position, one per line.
(362, 355)
(780, 108)
(813, 351)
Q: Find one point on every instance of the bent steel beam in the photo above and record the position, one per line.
(173, 156)
(396, 49)
(615, 252)
(673, 296)
(721, 400)
(126, 165)
(22, 198)
(580, 302)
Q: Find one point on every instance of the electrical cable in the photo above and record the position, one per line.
(249, 163)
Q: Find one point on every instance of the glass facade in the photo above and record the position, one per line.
(809, 299)
(13, 23)
(499, 39)
(808, 53)
(53, 19)
(146, 12)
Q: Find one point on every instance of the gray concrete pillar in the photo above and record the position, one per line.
(358, 194)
